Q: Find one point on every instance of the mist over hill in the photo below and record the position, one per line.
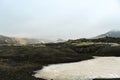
(25, 41)
(112, 33)
(21, 41)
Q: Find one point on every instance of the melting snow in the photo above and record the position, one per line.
(100, 67)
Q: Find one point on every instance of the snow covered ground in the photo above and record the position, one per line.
(100, 67)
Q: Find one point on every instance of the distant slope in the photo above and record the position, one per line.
(6, 40)
(113, 33)
(20, 41)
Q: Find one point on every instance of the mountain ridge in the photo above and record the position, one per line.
(112, 33)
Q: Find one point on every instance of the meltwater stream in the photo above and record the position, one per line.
(100, 67)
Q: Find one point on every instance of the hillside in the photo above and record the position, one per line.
(112, 33)
(20, 62)
(5, 40)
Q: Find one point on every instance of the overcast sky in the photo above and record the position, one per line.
(52, 19)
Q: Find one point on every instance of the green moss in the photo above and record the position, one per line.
(83, 43)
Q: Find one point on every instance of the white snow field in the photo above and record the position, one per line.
(100, 67)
